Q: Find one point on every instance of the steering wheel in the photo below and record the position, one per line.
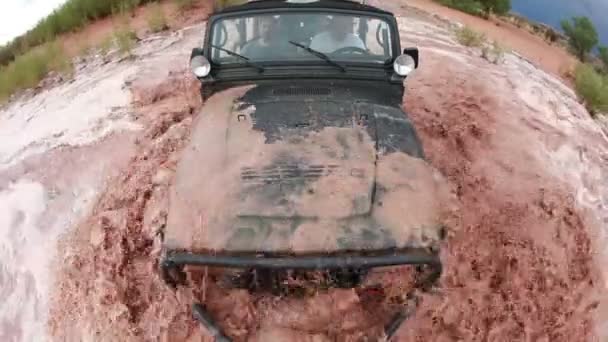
(348, 49)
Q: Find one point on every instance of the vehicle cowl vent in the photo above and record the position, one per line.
(309, 91)
(280, 173)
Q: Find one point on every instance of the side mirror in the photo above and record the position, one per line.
(414, 53)
(199, 64)
(406, 63)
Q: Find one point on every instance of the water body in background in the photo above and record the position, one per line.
(551, 12)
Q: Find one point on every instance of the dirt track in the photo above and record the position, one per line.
(527, 165)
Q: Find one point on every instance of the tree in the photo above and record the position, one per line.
(582, 35)
(496, 6)
(604, 56)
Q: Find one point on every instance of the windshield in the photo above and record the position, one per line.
(285, 37)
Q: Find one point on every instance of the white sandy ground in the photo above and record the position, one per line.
(58, 149)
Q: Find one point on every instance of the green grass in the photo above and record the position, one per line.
(25, 61)
(106, 44)
(156, 18)
(468, 6)
(125, 39)
(72, 16)
(469, 37)
(592, 88)
(27, 70)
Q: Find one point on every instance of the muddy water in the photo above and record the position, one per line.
(518, 264)
(520, 260)
(523, 256)
(45, 188)
(59, 149)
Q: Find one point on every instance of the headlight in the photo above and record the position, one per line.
(404, 65)
(200, 66)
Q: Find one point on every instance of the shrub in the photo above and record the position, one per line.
(500, 7)
(603, 53)
(156, 18)
(106, 44)
(582, 35)
(469, 37)
(468, 6)
(71, 16)
(125, 40)
(592, 88)
(27, 70)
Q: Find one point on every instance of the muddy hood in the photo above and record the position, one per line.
(297, 176)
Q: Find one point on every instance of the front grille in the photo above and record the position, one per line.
(281, 173)
(312, 91)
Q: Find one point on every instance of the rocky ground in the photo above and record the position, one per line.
(84, 196)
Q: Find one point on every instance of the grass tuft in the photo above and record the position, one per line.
(592, 88)
(156, 19)
(469, 37)
(125, 39)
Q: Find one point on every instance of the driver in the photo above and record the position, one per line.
(265, 45)
(338, 36)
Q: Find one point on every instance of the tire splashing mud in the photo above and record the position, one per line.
(518, 259)
(107, 288)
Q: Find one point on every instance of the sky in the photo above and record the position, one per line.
(18, 16)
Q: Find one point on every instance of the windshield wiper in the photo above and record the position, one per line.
(319, 54)
(245, 59)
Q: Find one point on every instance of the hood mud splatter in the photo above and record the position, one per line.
(244, 185)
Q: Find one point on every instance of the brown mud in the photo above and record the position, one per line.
(215, 187)
(109, 287)
(518, 261)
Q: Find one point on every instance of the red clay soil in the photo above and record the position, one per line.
(518, 258)
(108, 286)
(552, 58)
(96, 32)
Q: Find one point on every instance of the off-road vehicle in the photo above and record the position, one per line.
(302, 160)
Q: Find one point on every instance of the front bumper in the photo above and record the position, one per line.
(412, 256)
(173, 263)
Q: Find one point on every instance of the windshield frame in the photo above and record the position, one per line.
(389, 19)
